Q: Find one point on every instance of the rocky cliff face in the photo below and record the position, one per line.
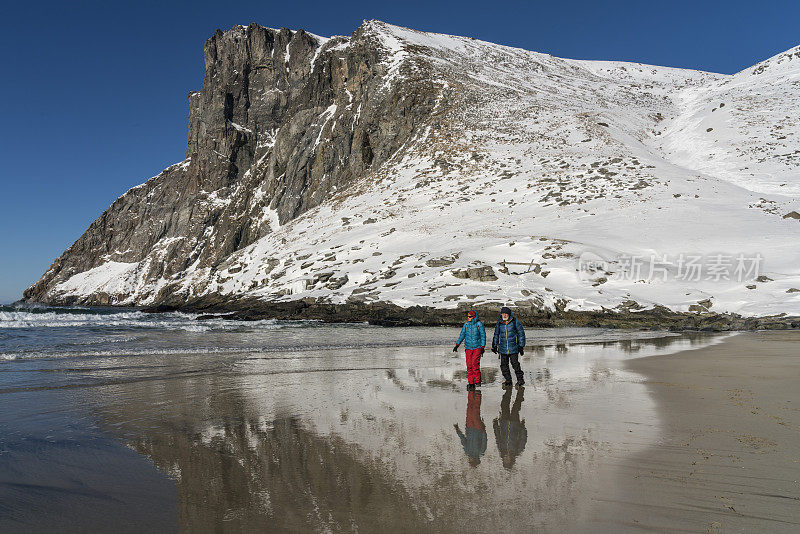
(408, 168)
(284, 120)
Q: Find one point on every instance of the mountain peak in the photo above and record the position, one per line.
(782, 64)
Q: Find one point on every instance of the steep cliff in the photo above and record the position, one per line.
(415, 168)
(284, 120)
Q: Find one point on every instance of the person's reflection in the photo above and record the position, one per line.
(473, 439)
(509, 431)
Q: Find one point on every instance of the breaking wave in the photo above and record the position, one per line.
(15, 317)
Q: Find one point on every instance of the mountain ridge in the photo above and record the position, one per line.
(323, 168)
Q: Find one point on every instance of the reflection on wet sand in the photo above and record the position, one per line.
(360, 450)
(474, 438)
(357, 440)
(509, 430)
(278, 476)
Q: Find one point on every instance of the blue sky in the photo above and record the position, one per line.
(93, 94)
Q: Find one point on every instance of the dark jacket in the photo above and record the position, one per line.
(508, 337)
(473, 333)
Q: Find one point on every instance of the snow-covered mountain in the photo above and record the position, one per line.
(423, 169)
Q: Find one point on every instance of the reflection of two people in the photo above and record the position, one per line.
(473, 439)
(509, 431)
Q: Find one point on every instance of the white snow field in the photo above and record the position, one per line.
(671, 185)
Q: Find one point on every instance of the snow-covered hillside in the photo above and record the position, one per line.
(603, 184)
(743, 128)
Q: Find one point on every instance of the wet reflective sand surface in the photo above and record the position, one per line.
(728, 455)
(368, 439)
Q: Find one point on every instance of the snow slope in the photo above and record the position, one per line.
(542, 161)
(743, 128)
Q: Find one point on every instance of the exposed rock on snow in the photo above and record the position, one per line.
(409, 168)
(482, 274)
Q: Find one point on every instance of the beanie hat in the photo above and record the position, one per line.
(471, 313)
(506, 309)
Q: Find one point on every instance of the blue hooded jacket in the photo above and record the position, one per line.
(474, 333)
(508, 337)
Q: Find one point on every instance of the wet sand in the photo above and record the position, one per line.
(728, 454)
(388, 439)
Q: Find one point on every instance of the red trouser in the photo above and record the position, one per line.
(473, 365)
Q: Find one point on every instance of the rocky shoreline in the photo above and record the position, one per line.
(387, 314)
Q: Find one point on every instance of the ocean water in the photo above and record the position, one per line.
(119, 420)
(30, 332)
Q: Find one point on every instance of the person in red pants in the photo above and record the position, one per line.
(474, 337)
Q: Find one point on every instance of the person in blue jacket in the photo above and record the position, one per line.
(509, 341)
(473, 334)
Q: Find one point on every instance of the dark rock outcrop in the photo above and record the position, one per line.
(284, 120)
(531, 314)
(482, 274)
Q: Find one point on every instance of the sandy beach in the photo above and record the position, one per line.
(614, 431)
(728, 455)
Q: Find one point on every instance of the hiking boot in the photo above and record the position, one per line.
(520, 384)
(507, 384)
(476, 385)
(470, 387)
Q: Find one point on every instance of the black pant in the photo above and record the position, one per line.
(504, 358)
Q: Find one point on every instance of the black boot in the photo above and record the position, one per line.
(470, 387)
(507, 384)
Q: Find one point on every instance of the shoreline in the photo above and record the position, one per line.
(728, 457)
(389, 314)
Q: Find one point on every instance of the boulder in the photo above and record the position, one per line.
(481, 274)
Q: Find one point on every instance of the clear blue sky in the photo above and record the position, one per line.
(93, 94)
